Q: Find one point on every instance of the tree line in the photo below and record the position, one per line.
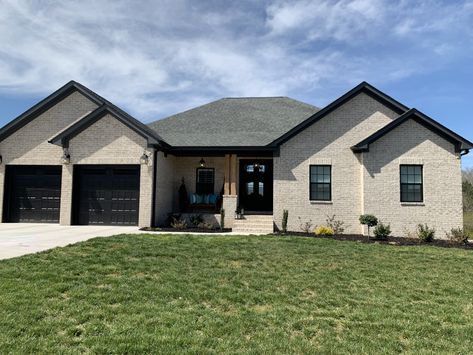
(467, 187)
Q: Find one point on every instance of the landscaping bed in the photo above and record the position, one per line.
(186, 230)
(389, 240)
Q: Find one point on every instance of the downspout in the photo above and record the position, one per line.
(153, 205)
(464, 152)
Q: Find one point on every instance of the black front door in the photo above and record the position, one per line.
(107, 195)
(32, 193)
(256, 185)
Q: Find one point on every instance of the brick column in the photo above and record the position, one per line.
(146, 193)
(65, 214)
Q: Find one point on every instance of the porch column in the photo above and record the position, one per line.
(229, 203)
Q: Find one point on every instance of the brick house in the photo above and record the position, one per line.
(75, 158)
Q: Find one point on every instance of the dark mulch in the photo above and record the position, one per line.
(186, 230)
(401, 241)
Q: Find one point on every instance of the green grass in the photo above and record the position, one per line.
(468, 223)
(226, 294)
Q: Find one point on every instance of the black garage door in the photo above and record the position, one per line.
(107, 195)
(32, 194)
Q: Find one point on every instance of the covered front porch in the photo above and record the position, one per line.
(206, 184)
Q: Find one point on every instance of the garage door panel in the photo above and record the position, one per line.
(33, 194)
(107, 195)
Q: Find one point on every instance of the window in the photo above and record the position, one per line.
(411, 183)
(205, 181)
(321, 182)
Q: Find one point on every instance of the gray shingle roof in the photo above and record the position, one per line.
(247, 121)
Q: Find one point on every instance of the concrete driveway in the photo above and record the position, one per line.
(25, 238)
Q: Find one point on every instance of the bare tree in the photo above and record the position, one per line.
(468, 174)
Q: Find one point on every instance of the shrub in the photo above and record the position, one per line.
(222, 218)
(206, 225)
(306, 227)
(368, 220)
(335, 224)
(323, 231)
(382, 231)
(178, 223)
(285, 215)
(425, 233)
(196, 220)
(457, 235)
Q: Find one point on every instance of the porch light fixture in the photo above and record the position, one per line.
(144, 159)
(202, 162)
(66, 157)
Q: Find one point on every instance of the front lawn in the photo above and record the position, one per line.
(227, 294)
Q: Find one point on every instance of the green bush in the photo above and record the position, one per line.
(382, 231)
(368, 220)
(425, 233)
(458, 235)
(285, 215)
(178, 223)
(323, 231)
(196, 220)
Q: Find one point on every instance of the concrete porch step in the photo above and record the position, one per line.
(254, 224)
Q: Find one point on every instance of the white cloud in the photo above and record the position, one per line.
(159, 57)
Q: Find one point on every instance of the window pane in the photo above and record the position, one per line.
(249, 188)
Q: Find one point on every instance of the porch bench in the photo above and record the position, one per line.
(203, 202)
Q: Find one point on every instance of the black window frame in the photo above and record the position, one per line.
(313, 198)
(402, 195)
(204, 188)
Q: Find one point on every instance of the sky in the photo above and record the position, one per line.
(156, 58)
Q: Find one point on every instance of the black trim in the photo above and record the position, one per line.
(66, 135)
(153, 205)
(242, 151)
(319, 183)
(459, 142)
(368, 89)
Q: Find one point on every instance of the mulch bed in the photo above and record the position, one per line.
(400, 241)
(186, 230)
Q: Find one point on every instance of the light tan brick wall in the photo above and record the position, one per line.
(108, 141)
(65, 213)
(164, 187)
(412, 143)
(29, 145)
(327, 141)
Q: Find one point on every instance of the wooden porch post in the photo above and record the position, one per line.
(233, 174)
(226, 176)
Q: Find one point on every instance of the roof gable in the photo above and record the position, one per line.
(63, 137)
(459, 142)
(46, 104)
(363, 87)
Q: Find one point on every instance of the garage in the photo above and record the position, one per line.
(32, 194)
(106, 194)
